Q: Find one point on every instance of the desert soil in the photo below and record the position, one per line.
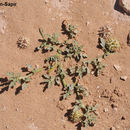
(33, 109)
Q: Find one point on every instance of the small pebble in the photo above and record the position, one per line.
(17, 109)
(87, 23)
(115, 109)
(112, 128)
(6, 127)
(114, 106)
(118, 127)
(98, 87)
(46, 1)
(124, 78)
(96, 112)
(117, 67)
(105, 110)
(1, 11)
(99, 96)
(122, 118)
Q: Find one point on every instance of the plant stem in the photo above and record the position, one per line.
(31, 73)
(54, 66)
(63, 82)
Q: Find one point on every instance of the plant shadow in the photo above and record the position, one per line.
(64, 31)
(4, 82)
(43, 50)
(18, 89)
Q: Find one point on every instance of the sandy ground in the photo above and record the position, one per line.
(32, 109)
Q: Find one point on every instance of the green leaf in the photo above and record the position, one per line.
(12, 84)
(48, 36)
(18, 74)
(46, 76)
(27, 79)
(102, 43)
(57, 80)
(76, 108)
(59, 51)
(10, 74)
(41, 32)
(49, 84)
(29, 66)
(19, 81)
(24, 85)
(95, 107)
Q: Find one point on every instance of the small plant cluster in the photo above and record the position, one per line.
(108, 44)
(23, 42)
(57, 69)
(82, 114)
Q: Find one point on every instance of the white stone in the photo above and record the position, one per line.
(112, 128)
(124, 78)
(117, 67)
(98, 87)
(105, 110)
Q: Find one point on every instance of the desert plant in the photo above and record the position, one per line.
(56, 72)
(82, 114)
